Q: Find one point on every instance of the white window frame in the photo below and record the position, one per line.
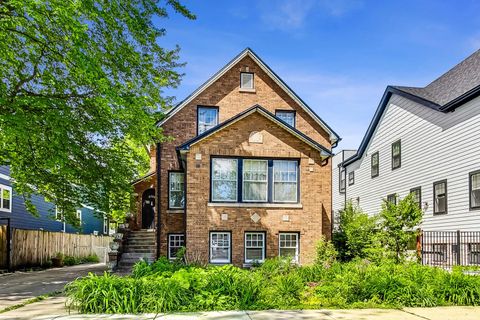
(472, 190)
(198, 118)
(253, 181)
(279, 114)
(79, 215)
(297, 247)
(249, 233)
(58, 214)
(242, 74)
(170, 174)
(213, 180)
(296, 182)
(2, 188)
(177, 238)
(105, 224)
(229, 247)
(351, 178)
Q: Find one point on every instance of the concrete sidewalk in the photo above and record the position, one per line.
(18, 287)
(54, 308)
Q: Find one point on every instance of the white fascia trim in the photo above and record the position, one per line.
(4, 176)
(174, 110)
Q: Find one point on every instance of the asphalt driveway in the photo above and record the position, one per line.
(18, 287)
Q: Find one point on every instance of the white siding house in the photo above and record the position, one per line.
(438, 131)
(338, 193)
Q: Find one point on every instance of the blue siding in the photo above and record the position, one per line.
(20, 218)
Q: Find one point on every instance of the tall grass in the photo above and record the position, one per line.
(164, 287)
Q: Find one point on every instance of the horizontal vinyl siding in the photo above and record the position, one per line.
(435, 146)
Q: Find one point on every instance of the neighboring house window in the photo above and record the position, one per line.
(392, 198)
(351, 178)
(255, 180)
(396, 155)
(105, 224)
(79, 216)
(175, 242)
(6, 198)
(254, 247)
(176, 190)
(246, 80)
(474, 253)
(220, 247)
(417, 196)
(288, 245)
(475, 190)
(224, 179)
(439, 252)
(286, 116)
(207, 118)
(440, 197)
(374, 165)
(342, 179)
(285, 181)
(58, 214)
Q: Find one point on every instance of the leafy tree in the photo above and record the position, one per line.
(356, 235)
(81, 90)
(399, 222)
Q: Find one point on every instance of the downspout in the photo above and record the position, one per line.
(159, 206)
(185, 203)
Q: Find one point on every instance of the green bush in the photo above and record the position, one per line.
(326, 254)
(278, 283)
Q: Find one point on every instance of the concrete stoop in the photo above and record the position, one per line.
(139, 245)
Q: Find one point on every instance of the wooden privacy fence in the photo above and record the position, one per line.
(36, 247)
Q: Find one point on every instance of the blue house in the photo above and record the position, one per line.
(13, 206)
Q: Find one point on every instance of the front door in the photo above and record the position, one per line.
(148, 209)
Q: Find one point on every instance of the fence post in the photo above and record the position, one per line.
(458, 248)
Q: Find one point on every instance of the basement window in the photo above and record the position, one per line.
(175, 242)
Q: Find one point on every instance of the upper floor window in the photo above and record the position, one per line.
(246, 80)
(374, 164)
(287, 116)
(79, 216)
(440, 197)
(475, 190)
(176, 191)
(342, 179)
(254, 180)
(6, 198)
(351, 178)
(396, 154)
(207, 118)
(417, 196)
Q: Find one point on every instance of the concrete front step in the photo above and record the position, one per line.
(152, 250)
(144, 242)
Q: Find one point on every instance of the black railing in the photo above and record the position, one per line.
(450, 248)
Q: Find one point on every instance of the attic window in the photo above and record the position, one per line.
(246, 80)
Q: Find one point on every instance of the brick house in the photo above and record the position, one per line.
(246, 174)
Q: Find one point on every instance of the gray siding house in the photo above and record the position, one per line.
(425, 141)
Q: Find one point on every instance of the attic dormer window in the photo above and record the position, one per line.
(246, 80)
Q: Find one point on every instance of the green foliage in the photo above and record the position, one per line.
(357, 234)
(398, 224)
(278, 284)
(71, 261)
(82, 88)
(326, 254)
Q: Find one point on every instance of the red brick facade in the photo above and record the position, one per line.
(310, 217)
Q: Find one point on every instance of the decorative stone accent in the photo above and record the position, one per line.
(255, 217)
(285, 218)
(224, 216)
(255, 137)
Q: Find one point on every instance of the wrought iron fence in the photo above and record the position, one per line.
(450, 248)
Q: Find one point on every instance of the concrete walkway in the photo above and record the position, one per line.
(54, 308)
(18, 287)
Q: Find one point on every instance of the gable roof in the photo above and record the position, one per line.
(448, 92)
(334, 137)
(324, 152)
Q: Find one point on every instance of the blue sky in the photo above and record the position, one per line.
(338, 55)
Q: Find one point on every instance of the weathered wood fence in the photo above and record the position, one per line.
(36, 247)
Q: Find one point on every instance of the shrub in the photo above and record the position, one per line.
(356, 235)
(325, 252)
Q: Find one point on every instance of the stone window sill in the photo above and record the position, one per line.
(247, 90)
(255, 205)
(175, 211)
